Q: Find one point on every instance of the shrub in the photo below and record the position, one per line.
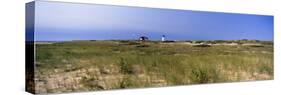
(265, 68)
(199, 76)
(257, 46)
(124, 66)
(203, 45)
(205, 74)
(142, 46)
(126, 82)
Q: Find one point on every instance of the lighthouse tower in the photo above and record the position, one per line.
(163, 38)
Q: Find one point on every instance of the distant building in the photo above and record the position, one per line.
(143, 38)
(163, 38)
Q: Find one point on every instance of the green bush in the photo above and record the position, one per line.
(126, 82)
(125, 67)
(200, 75)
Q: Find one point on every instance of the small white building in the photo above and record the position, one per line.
(163, 38)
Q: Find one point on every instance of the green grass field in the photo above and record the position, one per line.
(100, 65)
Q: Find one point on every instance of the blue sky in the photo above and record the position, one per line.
(68, 21)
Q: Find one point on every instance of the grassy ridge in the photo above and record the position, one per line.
(169, 63)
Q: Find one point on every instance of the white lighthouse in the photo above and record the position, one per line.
(163, 38)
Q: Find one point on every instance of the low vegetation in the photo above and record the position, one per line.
(101, 65)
